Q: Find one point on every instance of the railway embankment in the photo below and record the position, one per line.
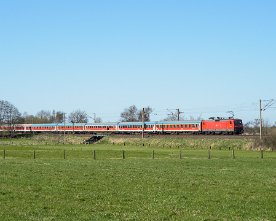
(194, 142)
(157, 141)
(46, 139)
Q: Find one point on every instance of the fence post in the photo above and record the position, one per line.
(233, 153)
(209, 154)
(123, 154)
(153, 154)
(94, 154)
(4, 154)
(64, 155)
(34, 154)
(262, 154)
(180, 154)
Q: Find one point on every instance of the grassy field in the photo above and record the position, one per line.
(50, 187)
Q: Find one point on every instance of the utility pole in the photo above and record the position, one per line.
(64, 128)
(178, 114)
(10, 122)
(143, 113)
(268, 104)
(94, 118)
(261, 120)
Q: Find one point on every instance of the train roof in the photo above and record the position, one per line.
(56, 124)
(179, 122)
(116, 123)
(162, 122)
(222, 119)
(71, 124)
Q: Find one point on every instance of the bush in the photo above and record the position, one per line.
(268, 142)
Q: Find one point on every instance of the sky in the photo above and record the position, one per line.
(205, 57)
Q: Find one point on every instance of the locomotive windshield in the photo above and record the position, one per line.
(238, 122)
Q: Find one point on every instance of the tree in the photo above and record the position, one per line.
(147, 112)
(252, 127)
(59, 117)
(132, 114)
(9, 114)
(98, 120)
(173, 116)
(78, 116)
(44, 116)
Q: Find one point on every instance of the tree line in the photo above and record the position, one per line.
(10, 115)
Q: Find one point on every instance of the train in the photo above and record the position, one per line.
(227, 126)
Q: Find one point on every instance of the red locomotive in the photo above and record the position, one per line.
(222, 126)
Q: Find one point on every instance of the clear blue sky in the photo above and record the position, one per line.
(205, 57)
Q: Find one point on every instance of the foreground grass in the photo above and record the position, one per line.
(137, 188)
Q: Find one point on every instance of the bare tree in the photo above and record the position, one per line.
(130, 114)
(78, 116)
(59, 117)
(173, 116)
(9, 114)
(98, 120)
(147, 112)
(252, 127)
(44, 116)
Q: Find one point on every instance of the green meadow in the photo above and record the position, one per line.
(134, 182)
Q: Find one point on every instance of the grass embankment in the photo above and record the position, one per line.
(194, 142)
(46, 139)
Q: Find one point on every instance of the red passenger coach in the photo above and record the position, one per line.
(222, 126)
